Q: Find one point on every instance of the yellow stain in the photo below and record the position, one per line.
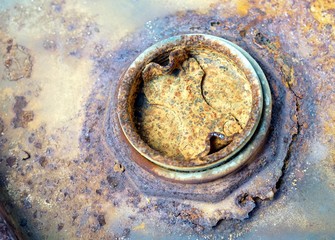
(139, 227)
(322, 11)
(242, 7)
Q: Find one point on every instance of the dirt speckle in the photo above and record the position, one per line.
(31, 138)
(50, 45)
(101, 220)
(261, 39)
(38, 145)
(113, 181)
(43, 161)
(11, 161)
(2, 126)
(23, 222)
(60, 226)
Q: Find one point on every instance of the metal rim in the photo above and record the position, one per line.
(223, 165)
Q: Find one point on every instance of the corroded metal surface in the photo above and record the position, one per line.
(179, 118)
(246, 155)
(55, 186)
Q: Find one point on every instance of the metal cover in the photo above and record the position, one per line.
(191, 102)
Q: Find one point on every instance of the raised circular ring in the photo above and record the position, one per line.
(224, 160)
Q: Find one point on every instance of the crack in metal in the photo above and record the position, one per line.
(287, 159)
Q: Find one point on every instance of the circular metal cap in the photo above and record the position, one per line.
(190, 103)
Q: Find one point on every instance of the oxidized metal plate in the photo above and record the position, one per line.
(191, 102)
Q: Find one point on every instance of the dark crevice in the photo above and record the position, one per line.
(259, 203)
(236, 119)
(244, 199)
(296, 95)
(263, 41)
(218, 141)
(280, 183)
(202, 85)
(287, 159)
(297, 129)
(27, 156)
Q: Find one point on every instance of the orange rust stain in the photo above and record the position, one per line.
(222, 108)
(242, 7)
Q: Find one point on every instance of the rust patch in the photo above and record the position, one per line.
(11, 161)
(144, 173)
(22, 118)
(198, 101)
(284, 61)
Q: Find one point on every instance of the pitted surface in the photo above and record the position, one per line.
(167, 105)
(92, 190)
(188, 98)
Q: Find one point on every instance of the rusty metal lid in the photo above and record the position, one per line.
(190, 102)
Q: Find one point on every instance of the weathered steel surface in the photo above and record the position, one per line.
(192, 133)
(127, 97)
(56, 188)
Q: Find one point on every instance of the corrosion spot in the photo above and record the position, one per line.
(22, 118)
(11, 161)
(113, 181)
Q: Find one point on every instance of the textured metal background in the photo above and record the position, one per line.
(60, 63)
